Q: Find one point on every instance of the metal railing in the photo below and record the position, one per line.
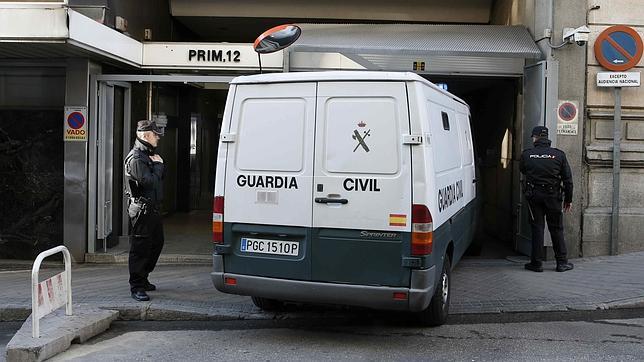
(52, 293)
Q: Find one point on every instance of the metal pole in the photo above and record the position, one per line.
(617, 137)
(149, 101)
(68, 280)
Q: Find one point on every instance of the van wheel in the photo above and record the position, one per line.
(267, 304)
(438, 309)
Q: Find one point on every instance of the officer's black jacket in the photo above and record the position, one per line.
(544, 165)
(144, 176)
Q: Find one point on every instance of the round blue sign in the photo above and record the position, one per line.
(76, 120)
(567, 111)
(618, 48)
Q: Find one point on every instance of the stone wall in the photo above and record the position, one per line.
(598, 144)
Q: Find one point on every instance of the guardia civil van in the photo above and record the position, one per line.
(352, 188)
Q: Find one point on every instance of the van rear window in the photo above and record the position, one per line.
(271, 134)
(361, 135)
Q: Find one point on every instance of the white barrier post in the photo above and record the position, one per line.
(47, 295)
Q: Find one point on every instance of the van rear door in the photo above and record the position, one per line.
(268, 185)
(362, 184)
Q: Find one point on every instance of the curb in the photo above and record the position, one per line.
(57, 332)
(146, 312)
(121, 258)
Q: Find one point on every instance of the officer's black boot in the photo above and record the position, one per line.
(140, 296)
(534, 267)
(149, 287)
(564, 266)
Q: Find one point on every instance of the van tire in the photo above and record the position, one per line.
(438, 309)
(267, 304)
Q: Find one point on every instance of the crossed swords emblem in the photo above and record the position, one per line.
(360, 138)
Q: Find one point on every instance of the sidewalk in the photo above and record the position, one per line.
(185, 292)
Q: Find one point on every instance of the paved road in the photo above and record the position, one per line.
(329, 340)
(7, 330)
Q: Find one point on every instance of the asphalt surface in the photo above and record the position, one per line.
(7, 330)
(363, 340)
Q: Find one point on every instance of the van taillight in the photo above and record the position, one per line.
(421, 230)
(218, 220)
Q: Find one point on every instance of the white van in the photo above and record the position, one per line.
(352, 188)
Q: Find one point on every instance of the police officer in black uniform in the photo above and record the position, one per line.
(546, 169)
(144, 174)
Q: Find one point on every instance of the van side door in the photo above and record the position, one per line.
(268, 183)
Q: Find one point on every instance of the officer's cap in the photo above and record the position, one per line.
(147, 125)
(540, 131)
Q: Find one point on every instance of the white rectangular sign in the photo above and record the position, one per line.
(224, 56)
(51, 294)
(618, 79)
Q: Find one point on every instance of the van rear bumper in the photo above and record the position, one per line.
(377, 297)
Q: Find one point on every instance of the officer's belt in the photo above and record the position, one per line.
(543, 186)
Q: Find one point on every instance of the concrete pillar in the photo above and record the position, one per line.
(572, 83)
(76, 162)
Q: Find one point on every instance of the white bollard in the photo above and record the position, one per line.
(52, 293)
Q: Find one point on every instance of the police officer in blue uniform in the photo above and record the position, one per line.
(548, 183)
(144, 174)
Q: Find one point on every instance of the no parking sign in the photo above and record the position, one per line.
(619, 48)
(568, 118)
(75, 124)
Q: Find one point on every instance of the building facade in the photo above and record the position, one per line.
(114, 64)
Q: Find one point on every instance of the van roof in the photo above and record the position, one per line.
(328, 76)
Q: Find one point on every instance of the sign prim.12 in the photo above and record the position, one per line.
(214, 55)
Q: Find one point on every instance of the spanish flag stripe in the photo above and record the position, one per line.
(397, 220)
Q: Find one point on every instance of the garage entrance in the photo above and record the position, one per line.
(485, 65)
(496, 117)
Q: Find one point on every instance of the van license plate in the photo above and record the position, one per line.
(276, 247)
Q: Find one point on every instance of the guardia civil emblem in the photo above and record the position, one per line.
(361, 136)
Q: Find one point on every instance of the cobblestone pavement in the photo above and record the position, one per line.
(478, 286)
(503, 286)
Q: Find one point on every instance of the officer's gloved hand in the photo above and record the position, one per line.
(156, 158)
(567, 207)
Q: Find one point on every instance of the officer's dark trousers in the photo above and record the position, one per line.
(145, 247)
(547, 204)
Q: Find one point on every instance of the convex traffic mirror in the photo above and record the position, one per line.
(277, 38)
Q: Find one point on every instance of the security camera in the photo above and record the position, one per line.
(578, 35)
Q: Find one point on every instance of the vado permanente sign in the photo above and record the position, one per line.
(75, 124)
